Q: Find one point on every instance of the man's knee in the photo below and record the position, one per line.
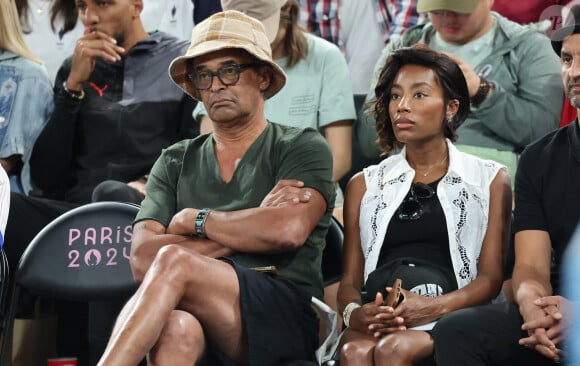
(183, 329)
(461, 337)
(453, 326)
(173, 262)
(182, 338)
(173, 255)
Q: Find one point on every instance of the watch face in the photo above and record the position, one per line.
(200, 222)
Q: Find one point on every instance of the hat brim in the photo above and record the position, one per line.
(457, 6)
(178, 68)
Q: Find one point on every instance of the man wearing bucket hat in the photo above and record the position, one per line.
(256, 194)
(531, 330)
(318, 92)
(514, 86)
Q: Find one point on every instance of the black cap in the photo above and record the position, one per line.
(571, 26)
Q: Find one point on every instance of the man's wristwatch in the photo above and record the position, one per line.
(200, 222)
(482, 92)
(78, 95)
(348, 311)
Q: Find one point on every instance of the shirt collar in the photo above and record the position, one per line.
(7, 55)
(459, 165)
(574, 136)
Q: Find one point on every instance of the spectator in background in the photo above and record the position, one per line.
(366, 26)
(204, 8)
(531, 330)
(51, 29)
(512, 76)
(321, 18)
(528, 11)
(115, 110)
(25, 99)
(170, 16)
(317, 93)
(525, 11)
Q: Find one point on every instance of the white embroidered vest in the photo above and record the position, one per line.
(464, 196)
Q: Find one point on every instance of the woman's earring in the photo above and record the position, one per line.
(449, 119)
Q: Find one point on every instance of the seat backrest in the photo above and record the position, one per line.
(332, 254)
(4, 284)
(359, 100)
(82, 255)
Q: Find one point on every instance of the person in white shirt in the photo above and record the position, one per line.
(51, 29)
(170, 16)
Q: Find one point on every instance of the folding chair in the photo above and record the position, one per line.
(83, 255)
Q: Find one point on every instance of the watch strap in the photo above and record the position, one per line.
(482, 92)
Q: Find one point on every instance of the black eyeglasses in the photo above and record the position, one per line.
(228, 75)
(411, 208)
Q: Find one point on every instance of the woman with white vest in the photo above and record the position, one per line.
(432, 216)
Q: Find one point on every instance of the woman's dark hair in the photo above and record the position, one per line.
(67, 9)
(448, 74)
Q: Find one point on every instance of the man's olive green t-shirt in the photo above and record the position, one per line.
(187, 175)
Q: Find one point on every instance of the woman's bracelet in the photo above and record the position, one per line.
(348, 311)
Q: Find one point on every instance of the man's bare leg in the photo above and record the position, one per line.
(181, 341)
(180, 279)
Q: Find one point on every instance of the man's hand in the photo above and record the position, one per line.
(286, 192)
(90, 46)
(545, 325)
(473, 80)
(139, 186)
(183, 222)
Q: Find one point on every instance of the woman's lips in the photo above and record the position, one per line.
(404, 123)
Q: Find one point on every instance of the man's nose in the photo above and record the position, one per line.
(574, 70)
(89, 16)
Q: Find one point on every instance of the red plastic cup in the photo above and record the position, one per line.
(62, 361)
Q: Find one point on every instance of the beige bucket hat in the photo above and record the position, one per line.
(458, 6)
(266, 11)
(228, 29)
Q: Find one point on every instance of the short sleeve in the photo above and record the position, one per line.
(308, 158)
(528, 214)
(336, 101)
(160, 203)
